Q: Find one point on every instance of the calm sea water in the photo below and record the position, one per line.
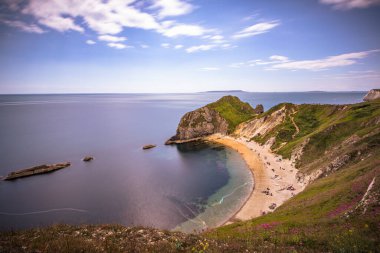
(184, 187)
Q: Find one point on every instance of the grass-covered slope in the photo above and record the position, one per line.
(321, 127)
(233, 110)
(339, 211)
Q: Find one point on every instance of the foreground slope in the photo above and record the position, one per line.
(336, 149)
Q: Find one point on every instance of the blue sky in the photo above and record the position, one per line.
(68, 46)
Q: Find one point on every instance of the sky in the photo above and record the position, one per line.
(133, 46)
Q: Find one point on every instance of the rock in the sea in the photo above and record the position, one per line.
(41, 169)
(372, 95)
(221, 117)
(149, 146)
(88, 159)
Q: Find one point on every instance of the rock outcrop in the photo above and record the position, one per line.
(199, 123)
(149, 146)
(88, 159)
(221, 117)
(41, 169)
(372, 95)
(263, 125)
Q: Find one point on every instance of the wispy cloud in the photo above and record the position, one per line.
(165, 45)
(117, 45)
(256, 29)
(178, 46)
(31, 28)
(111, 38)
(172, 7)
(350, 4)
(90, 42)
(276, 62)
(274, 59)
(194, 49)
(173, 30)
(325, 63)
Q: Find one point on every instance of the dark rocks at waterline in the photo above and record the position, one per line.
(41, 169)
(88, 159)
(149, 146)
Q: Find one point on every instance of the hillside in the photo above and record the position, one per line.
(336, 149)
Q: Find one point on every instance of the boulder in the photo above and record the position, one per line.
(88, 159)
(149, 146)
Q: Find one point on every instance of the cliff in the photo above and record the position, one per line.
(372, 95)
(221, 116)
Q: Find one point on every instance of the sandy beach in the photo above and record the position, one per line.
(274, 178)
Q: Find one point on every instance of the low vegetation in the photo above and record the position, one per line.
(233, 110)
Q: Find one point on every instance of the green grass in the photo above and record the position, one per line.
(233, 110)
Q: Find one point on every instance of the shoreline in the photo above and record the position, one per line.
(274, 178)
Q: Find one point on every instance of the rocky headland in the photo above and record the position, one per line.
(220, 117)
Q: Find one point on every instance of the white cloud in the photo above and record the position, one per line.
(350, 4)
(178, 46)
(165, 45)
(326, 63)
(172, 7)
(194, 49)
(107, 17)
(256, 29)
(31, 28)
(144, 46)
(90, 42)
(174, 30)
(210, 69)
(279, 58)
(117, 45)
(104, 17)
(111, 38)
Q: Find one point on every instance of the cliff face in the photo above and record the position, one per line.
(201, 122)
(372, 95)
(221, 116)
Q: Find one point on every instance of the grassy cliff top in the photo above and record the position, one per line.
(233, 110)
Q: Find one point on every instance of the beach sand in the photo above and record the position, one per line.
(274, 178)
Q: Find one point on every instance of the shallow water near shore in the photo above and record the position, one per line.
(182, 187)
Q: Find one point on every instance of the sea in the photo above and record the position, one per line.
(188, 187)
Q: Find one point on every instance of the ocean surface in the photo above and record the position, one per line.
(185, 187)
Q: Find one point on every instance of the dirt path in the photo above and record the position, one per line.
(294, 123)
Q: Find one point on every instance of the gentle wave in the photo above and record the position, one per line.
(46, 211)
